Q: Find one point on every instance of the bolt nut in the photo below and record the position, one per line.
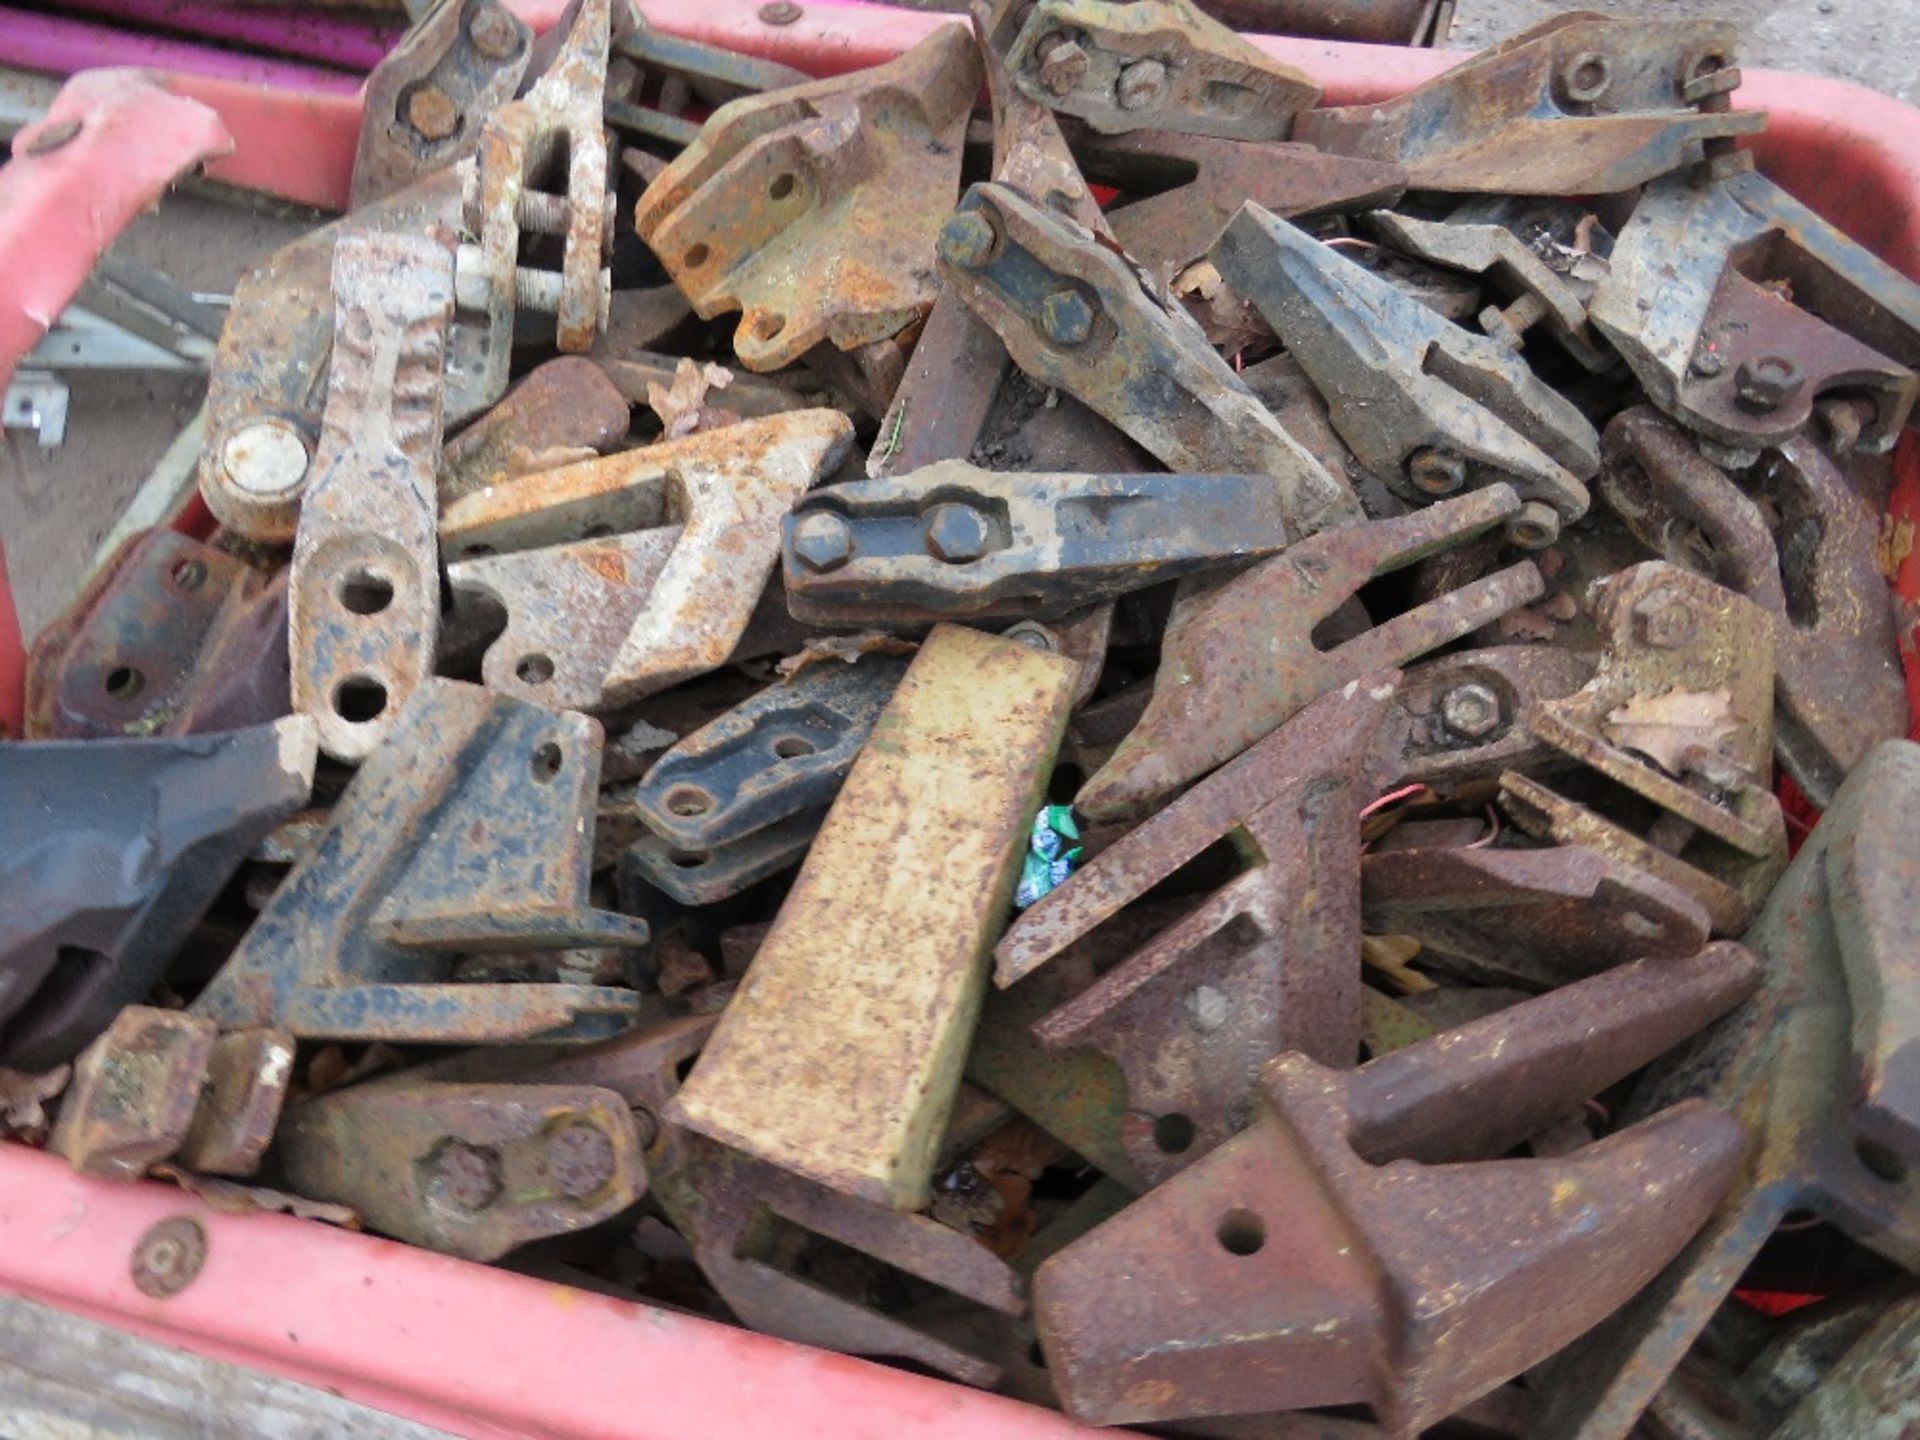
(1033, 635)
(822, 541)
(1664, 620)
(1707, 361)
(266, 460)
(1534, 526)
(580, 1158)
(780, 12)
(1141, 85)
(1470, 711)
(1766, 383)
(465, 1176)
(1063, 64)
(955, 533)
(1436, 472)
(967, 239)
(493, 32)
(1066, 318)
(432, 114)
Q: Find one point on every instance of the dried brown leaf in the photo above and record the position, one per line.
(1676, 729)
(23, 1101)
(230, 1197)
(848, 648)
(329, 1068)
(682, 406)
(1526, 623)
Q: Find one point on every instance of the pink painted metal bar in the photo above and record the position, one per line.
(466, 1347)
(58, 46)
(333, 40)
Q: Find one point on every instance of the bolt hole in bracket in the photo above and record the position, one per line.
(363, 602)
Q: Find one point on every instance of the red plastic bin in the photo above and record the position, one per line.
(484, 1352)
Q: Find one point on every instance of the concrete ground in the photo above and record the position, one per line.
(56, 505)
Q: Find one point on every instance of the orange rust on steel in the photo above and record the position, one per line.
(1837, 682)
(813, 210)
(1820, 1065)
(566, 405)
(363, 605)
(435, 73)
(1239, 659)
(170, 637)
(133, 1093)
(466, 1169)
(247, 1079)
(1506, 120)
(1359, 1243)
(1269, 962)
(598, 622)
(892, 916)
(1533, 918)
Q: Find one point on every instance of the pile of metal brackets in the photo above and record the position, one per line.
(1127, 745)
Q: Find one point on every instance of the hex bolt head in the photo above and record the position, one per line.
(267, 459)
(1033, 635)
(1586, 77)
(1436, 472)
(1707, 362)
(1066, 318)
(465, 1176)
(822, 541)
(1766, 383)
(432, 114)
(1534, 526)
(493, 32)
(955, 532)
(780, 12)
(966, 240)
(580, 1159)
(1141, 86)
(1470, 711)
(1063, 64)
(1664, 620)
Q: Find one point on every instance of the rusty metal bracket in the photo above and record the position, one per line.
(1426, 406)
(687, 534)
(781, 752)
(268, 384)
(892, 914)
(170, 637)
(1189, 186)
(363, 604)
(1468, 711)
(517, 188)
(1242, 660)
(1154, 65)
(1540, 296)
(469, 831)
(1818, 1065)
(1693, 302)
(114, 850)
(813, 211)
(1529, 918)
(1579, 104)
(561, 409)
(681, 73)
(467, 1169)
(750, 1225)
(1838, 687)
(425, 101)
(954, 541)
(708, 874)
(1348, 1248)
(947, 393)
(1269, 962)
(1076, 315)
(1671, 633)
